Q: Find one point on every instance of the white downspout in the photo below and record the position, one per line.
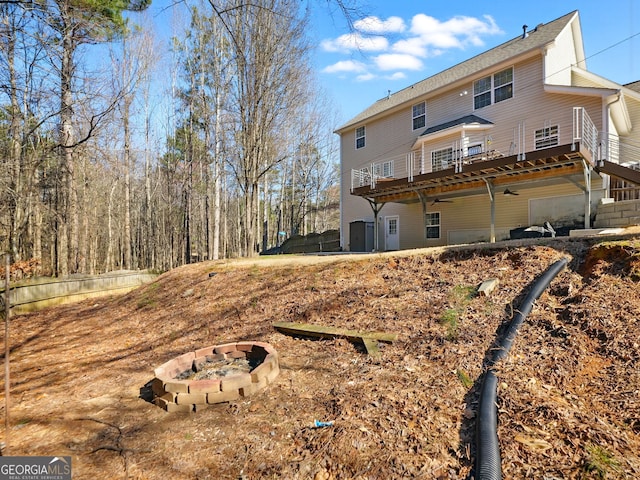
(606, 114)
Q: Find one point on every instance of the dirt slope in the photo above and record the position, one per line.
(569, 391)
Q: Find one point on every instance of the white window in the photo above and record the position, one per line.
(546, 137)
(392, 226)
(503, 85)
(493, 88)
(364, 178)
(441, 159)
(419, 113)
(360, 137)
(432, 225)
(474, 150)
(384, 169)
(482, 92)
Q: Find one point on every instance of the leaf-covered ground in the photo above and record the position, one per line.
(568, 399)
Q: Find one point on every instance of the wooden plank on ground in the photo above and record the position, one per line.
(321, 331)
(368, 339)
(372, 346)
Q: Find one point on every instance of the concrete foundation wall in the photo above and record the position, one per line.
(35, 296)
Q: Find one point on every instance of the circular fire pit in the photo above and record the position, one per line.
(216, 374)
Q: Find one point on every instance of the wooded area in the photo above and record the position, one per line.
(110, 159)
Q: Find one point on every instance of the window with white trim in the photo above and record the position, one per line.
(432, 224)
(547, 137)
(365, 177)
(384, 169)
(392, 226)
(441, 159)
(482, 92)
(493, 88)
(474, 149)
(419, 115)
(360, 137)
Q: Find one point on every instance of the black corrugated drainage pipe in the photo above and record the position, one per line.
(487, 447)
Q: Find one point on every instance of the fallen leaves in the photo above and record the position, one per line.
(571, 380)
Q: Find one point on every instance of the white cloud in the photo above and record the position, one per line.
(397, 61)
(411, 46)
(345, 66)
(365, 77)
(375, 25)
(397, 76)
(355, 41)
(427, 37)
(454, 33)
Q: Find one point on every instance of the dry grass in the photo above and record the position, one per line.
(568, 398)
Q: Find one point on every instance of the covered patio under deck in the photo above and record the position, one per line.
(572, 163)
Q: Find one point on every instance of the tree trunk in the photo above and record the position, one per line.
(69, 217)
(127, 180)
(217, 165)
(109, 264)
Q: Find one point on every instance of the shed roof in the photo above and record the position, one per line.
(540, 36)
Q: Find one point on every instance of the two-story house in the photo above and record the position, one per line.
(520, 135)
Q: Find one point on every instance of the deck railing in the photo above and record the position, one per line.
(625, 152)
(585, 131)
(477, 148)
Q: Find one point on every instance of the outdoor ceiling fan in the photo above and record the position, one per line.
(510, 192)
(437, 200)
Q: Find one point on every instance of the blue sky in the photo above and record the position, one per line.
(397, 43)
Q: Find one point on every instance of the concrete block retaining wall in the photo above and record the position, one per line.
(618, 214)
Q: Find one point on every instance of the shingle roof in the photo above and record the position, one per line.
(542, 35)
(635, 86)
(466, 120)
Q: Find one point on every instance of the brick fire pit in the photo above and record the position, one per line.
(216, 374)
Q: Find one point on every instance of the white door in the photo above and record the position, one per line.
(392, 233)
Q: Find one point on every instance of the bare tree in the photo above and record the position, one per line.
(86, 184)
(75, 25)
(269, 64)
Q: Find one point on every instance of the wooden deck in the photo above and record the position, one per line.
(538, 165)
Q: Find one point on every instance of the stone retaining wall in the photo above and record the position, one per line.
(191, 395)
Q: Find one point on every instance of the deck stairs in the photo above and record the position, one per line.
(622, 162)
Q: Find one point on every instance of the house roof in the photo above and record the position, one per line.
(635, 86)
(466, 120)
(537, 38)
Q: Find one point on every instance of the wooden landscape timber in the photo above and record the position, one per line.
(368, 339)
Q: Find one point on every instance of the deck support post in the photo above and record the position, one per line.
(586, 167)
(492, 197)
(376, 207)
(423, 202)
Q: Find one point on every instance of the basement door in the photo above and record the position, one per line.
(391, 232)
